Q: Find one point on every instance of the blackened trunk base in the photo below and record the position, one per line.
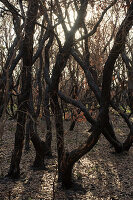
(14, 171)
(65, 176)
(39, 162)
(48, 153)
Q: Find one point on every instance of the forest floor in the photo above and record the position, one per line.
(99, 175)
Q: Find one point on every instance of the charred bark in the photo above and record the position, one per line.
(47, 96)
(27, 135)
(40, 148)
(103, 117)
(23, 102)
(14, 171)
(48, 123)
(39, 145)
(59, 132)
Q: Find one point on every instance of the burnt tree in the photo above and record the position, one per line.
(23, 102)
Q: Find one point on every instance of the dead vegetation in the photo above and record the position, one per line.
(100, 174)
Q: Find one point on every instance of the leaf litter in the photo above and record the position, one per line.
(99, 175)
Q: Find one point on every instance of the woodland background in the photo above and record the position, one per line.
(66, 99)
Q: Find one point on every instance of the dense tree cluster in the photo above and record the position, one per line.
(65, 57)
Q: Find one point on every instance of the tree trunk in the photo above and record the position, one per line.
(48, 123)
(40, 148)
(23, 102)
(59, 133)
(128, 142)
(14, 171)
(27, 135)
(65, 173)
(103, 117)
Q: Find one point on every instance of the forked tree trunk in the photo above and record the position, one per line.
(65, 173)
(39, 145)
(40, 148)
(23, 102)
(67, 162)
(69, 159)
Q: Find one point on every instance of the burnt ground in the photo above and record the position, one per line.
(99, 175)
